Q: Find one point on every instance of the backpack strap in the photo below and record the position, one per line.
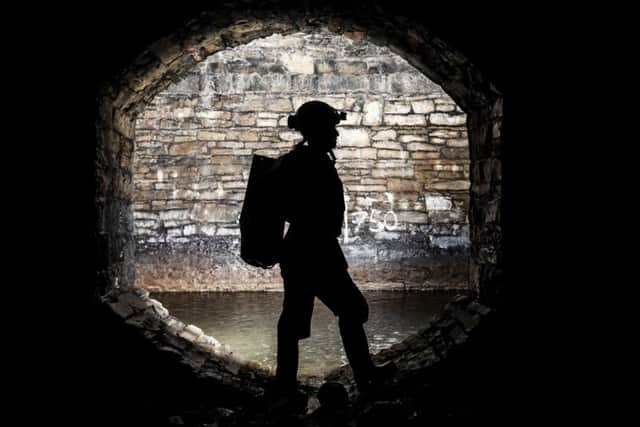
(331, 153)
(333, 156)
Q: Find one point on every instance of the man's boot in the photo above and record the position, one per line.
(366, 375)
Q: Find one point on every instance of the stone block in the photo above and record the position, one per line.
(212, 124)
(405, 120)
(412, 217)
(215, 115)
(413, 138)
(446, 242)
(391, 107)
(225, 231)
(444, 119)
(393, 172)
(324, 67)
(243, 135)
(174, 232)
(351, 67)
(438, 203)
(267, 115)
(445, 107)
(399, 185)
(175, 215)
(374, 181)
(227, 144)
(208, 342)
(191, 333)
(208, 230)
(184, 138)
(356, 153)
(206, 135)
(442, 165)
(298, 63)
(267, 123)
(423, 107)
(353, 137)
(385, 135)
(244, 119)
(388, 145)
(393, 154)
(457, 143)
(145, 215)
(445, 134)
(450, 185)
(372, 113)
(421, 146)
(190, 230)
(365, 188)
(251, 104)
(279, 105)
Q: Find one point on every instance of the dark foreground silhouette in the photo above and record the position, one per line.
(311, 261)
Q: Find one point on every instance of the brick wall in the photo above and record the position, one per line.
(402, 155)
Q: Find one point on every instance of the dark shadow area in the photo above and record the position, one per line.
(115, 379)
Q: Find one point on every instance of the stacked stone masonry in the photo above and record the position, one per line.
(402, 153)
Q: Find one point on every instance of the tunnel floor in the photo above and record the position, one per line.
(441, 373)
(246, 322)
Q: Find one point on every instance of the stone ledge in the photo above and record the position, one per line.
(446, 331)
(205, 356)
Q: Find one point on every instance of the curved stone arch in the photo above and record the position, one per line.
(121, 100)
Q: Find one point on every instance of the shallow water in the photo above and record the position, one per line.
(246, 322)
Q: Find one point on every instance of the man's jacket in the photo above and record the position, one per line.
(313, 205)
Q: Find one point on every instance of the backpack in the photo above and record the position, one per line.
(262, 219)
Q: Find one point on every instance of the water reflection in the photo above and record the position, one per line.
(246, 322)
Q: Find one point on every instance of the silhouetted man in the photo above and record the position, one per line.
(312, 263)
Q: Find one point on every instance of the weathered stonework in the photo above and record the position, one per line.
(195, 140)
(121, 100)
(447, 330)
(202, 354)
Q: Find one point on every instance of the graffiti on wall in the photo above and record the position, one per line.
(376, 215)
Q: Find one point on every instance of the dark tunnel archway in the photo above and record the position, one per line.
(120, 102)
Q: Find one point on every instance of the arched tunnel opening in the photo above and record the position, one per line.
(402, 155)
(460, 188)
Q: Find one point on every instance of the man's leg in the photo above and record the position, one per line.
(285, 396)
(287, 359)
(346, 301)
(294, 324)
(356, 347)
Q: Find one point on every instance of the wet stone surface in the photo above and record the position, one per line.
(429, 367)
(246, 322)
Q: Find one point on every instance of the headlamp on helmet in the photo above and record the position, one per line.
(314, 114)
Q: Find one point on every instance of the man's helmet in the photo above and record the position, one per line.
(315, 115)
